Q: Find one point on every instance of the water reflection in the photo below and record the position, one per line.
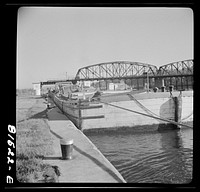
(153, 157)
(177, 147)
(170, 139)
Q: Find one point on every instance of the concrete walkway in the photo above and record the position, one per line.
(88, 164)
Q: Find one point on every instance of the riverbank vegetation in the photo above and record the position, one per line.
(33, 142)
(25, 92)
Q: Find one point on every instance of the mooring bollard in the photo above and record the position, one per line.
(163, 89)
(171, 88)
(155, 89)
(48, 105)
(66, 148)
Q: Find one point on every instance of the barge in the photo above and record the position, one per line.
(125, 109)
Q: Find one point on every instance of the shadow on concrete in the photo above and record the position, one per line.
(96, 161)
(166, 109)
(54, 114)
(58, 136)
(52, 158)
(40, 115)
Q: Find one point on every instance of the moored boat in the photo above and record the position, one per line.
(110, 110)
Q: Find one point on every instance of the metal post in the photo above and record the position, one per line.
(99, 85)
(192, 82)
(147, 83)
(106, 84)
(181, 83)
(131, 83)
(178, 108)
(79, 115)
(146, 73)
(187, 82)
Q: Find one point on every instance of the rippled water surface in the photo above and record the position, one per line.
(151, 157)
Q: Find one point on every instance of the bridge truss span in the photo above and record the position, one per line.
(180, 68)
(117, 69)
(136, 74)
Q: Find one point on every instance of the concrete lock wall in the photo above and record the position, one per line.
(114, 117)
(92, 112)
(105, 116)
(187, 109)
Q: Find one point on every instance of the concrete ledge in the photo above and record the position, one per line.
(144, 95)
(88, 163)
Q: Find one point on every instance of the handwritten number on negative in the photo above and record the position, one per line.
(11, 129)
(10, 152)
(10, 160)
(10, 143)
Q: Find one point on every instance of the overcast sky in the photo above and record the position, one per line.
(53, 41)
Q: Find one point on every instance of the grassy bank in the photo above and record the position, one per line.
(33, 141)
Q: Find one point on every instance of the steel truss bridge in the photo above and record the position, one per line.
(126, 70)
(113, 70)
(178, 73)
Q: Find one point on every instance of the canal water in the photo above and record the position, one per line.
(149, 157)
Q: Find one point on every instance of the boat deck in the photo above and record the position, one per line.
(143, 95)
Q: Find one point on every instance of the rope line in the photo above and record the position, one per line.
(142, 106)
(133, 111)
(159, 118)
(149, 111)
(187, 116)
(180, 95)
